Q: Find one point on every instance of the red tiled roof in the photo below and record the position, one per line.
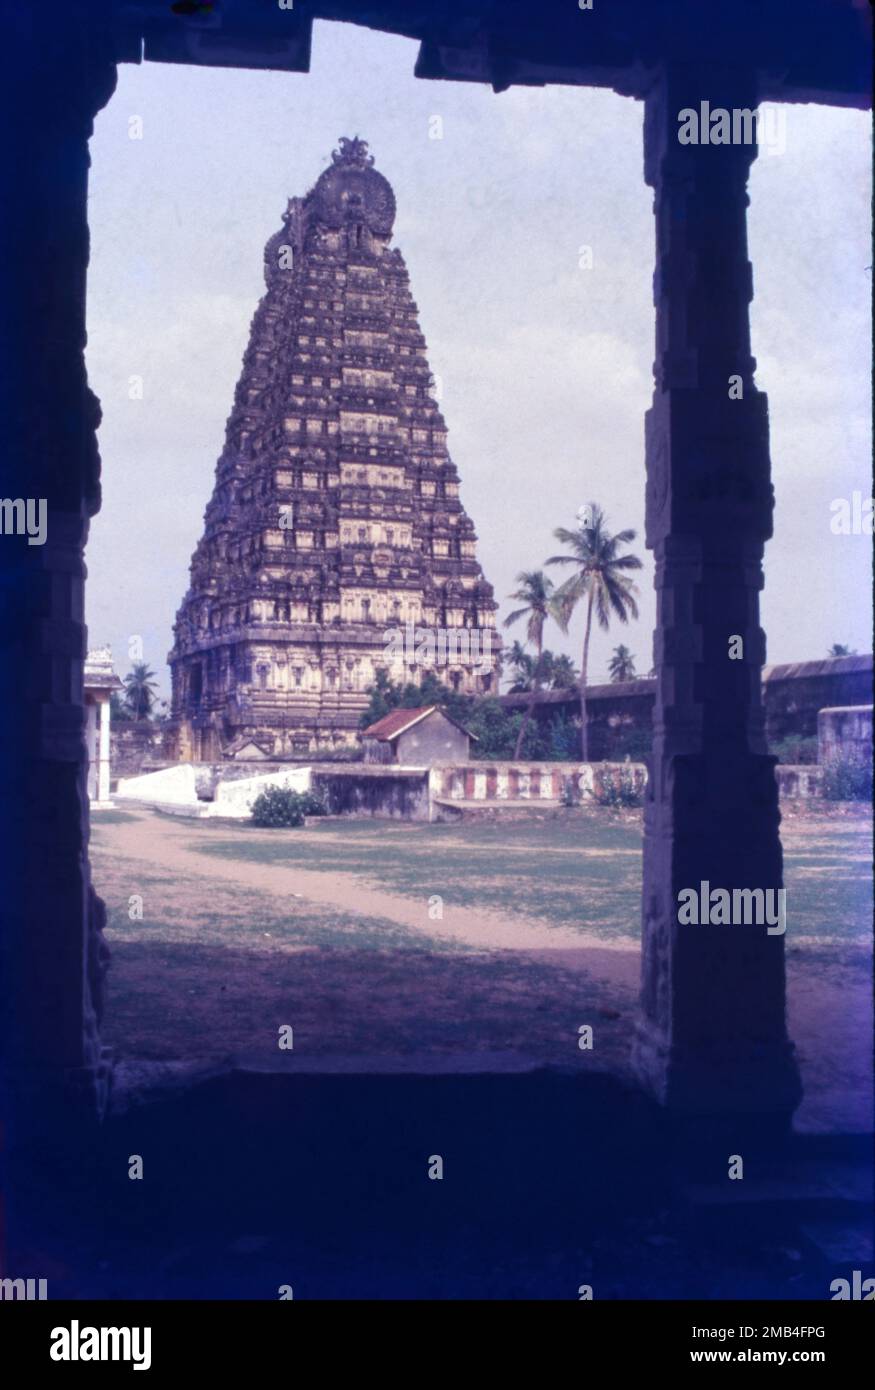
(397, 720)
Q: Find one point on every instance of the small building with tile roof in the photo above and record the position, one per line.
(417, 738)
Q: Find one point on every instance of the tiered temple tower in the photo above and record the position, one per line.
(335, 515)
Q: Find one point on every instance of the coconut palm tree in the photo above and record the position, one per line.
(140, 690)
(599, 576)
(563, 673)
(118, 708)
(622, 665)
(521, 669)
(556, 672)
(535, 594)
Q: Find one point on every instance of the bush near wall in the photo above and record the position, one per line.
(619, 786)
(280, 807)
(795, 750)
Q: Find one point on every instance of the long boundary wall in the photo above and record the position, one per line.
(793, 695)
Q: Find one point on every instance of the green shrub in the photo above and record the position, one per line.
(494, 729)
(618, 786)
(635, 744)
(796, 749)
(387, 695)
(847, 779)
(564, 739)
(280, 806)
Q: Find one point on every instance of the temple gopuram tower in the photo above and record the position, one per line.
(335, 516)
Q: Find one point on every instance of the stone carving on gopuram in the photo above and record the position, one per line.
(335, 516)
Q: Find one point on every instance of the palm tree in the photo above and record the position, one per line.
(563, 673)
(118, 708)
(535, 593)
(521, 669)
(544, 664)
(600, 576)
(622, 665)
(837, 649)
(140, 690)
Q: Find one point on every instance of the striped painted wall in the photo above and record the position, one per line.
(518, 781)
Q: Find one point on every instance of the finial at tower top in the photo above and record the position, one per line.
(353, 152)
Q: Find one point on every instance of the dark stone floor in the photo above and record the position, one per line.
(254, 1181)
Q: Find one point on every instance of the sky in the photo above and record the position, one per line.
(546, 366)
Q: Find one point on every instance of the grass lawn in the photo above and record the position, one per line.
(590, 866)
(328, 928)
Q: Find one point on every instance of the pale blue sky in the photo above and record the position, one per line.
(546, 367)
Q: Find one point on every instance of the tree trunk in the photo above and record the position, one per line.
(584, 734)
(536, 676)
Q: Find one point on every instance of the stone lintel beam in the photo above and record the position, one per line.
(813, 52)
(712, 1038)
(818, 52)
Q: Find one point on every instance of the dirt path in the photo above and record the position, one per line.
(157, 841)
(829, 1005)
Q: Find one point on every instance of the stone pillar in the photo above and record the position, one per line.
(712, 1038)
(58, 74)
(91, 747)
(103, 755)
